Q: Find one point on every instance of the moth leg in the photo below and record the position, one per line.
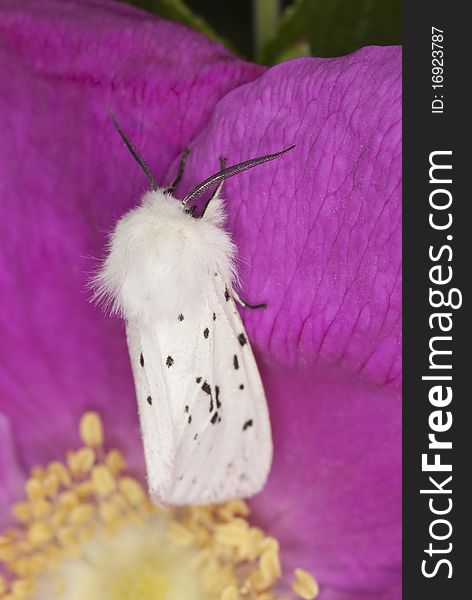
(217, 191)
(242, 302)
(180, 172)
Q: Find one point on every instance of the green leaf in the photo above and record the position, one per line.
(177, 10)
(296, 50)
(266, 14)
(336, 27)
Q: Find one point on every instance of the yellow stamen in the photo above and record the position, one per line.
(230, 592)
(88, 529)
(270, 566)
(180, 535)
(103, 480)
(40, 508)
(39, 533)
(60, 471)
(33, 489)
(38, 472)
(81, 462)
(132, 490)
(22, 511)
(115, 461)
(91, 429)
(305, 585)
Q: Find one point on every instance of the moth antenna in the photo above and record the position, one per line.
(135, 153)
(230, 171)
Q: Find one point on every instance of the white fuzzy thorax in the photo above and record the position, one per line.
(161, 260)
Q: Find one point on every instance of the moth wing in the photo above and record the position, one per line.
(232, 452)
(206, 429)
(153, 405)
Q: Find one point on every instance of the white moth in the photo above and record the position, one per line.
(203, 412)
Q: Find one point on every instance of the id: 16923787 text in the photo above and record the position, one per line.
(437, 70)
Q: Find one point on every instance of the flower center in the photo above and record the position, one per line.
(146, 582)
(88, 530)
(136, 563)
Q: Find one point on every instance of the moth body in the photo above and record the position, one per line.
(203, 413)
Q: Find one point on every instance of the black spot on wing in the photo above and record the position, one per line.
(217, 396)
(180, 317)
(198, 379)
(149, 400)
(214, 418)
(195, 436)
(242, 339)
(227, 296)
(247, 424)
(189, 419)
(241, 387)
(186, 408)
(235, 361)
(141, 360)
(214, 316)
(207, 389)
(206, 332)
(169, 361)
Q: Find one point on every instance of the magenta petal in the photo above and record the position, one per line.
(334, 495)
(392, 593)
(318, 231)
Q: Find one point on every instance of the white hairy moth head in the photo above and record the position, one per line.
(204, 418)
(161, 259)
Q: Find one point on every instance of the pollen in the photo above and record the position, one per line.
(91, 429)
(87, 529)
(305, 585)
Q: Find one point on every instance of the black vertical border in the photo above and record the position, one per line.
(424, 132)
